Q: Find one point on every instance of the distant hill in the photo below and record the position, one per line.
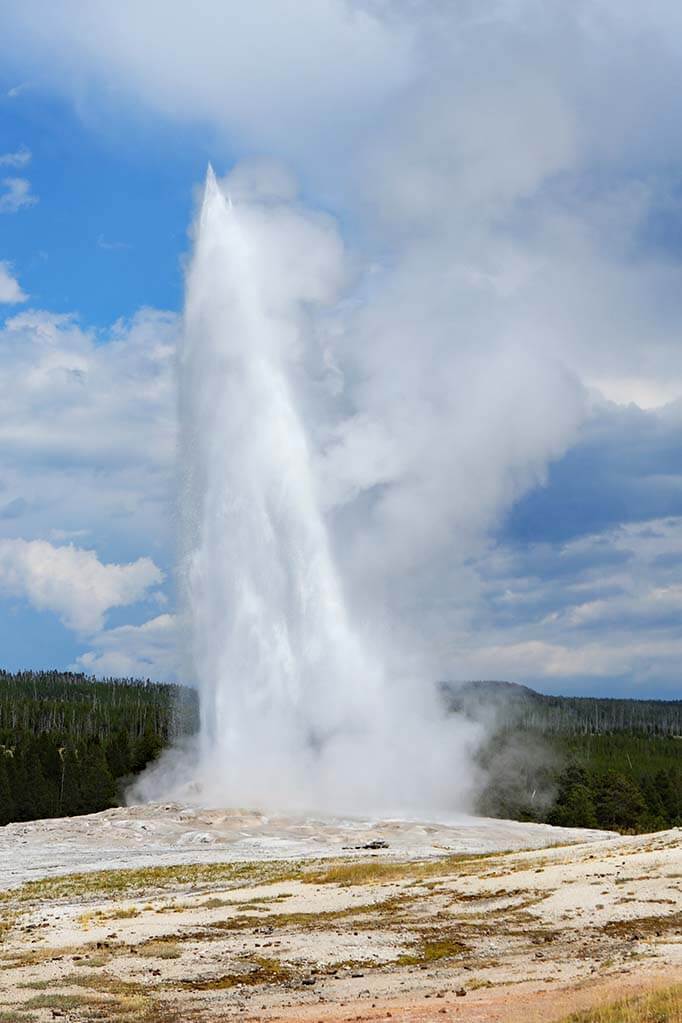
(575, 761)
(522, 707)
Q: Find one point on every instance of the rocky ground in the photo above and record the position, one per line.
(416, 931)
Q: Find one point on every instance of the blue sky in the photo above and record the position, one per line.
(107, 233)
(505, 450)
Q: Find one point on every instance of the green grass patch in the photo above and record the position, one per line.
(432, 950)
(104, 983)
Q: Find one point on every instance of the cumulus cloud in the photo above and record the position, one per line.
(16, 196)
(10, 289)
(259, 71)
(599, 611)
(87, 426)
(72, 582)
(135, 651)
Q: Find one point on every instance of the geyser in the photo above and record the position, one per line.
(296, 709)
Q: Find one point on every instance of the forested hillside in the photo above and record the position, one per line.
(69, 743)
(577, 762)
(563, 715)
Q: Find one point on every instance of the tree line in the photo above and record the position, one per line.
(69, 744)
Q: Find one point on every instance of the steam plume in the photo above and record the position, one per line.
(296, 707)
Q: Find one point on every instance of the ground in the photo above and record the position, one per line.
(360, 935)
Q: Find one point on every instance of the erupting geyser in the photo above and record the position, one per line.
(295, 709)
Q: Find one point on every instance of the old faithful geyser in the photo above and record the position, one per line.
(285, 684)
(295, 709)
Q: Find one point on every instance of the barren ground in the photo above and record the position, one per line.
(427, 929)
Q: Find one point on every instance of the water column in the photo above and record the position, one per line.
(290, 699)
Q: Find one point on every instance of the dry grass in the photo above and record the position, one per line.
(7, 922)
(37, 956)
(663, 1006)
(95, 960)
(99, 917)
(66, 1003)
(377, 871)
(160, 949)
(137, 880)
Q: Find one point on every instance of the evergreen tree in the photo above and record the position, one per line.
(6, 801)
(97, 787)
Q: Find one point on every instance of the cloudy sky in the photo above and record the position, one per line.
(499, 438)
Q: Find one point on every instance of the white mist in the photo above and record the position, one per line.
(296, 712)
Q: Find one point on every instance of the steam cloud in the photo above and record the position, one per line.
(311, 517)
(296, 703)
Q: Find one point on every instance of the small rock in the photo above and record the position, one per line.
(460, 992)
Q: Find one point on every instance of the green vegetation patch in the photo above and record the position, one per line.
(432, 949)
(58, 1001)
(262, 971)
(643, 926)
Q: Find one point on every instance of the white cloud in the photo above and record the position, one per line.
(10, 289)
(87, 427)
(534, 659)
(71, 581)
(605, 606)
(648, 392)
(17, 90)
(641, 661)
(135, 651)
(17, 159)
(260, 71)
(17, 195)
(109, 246)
